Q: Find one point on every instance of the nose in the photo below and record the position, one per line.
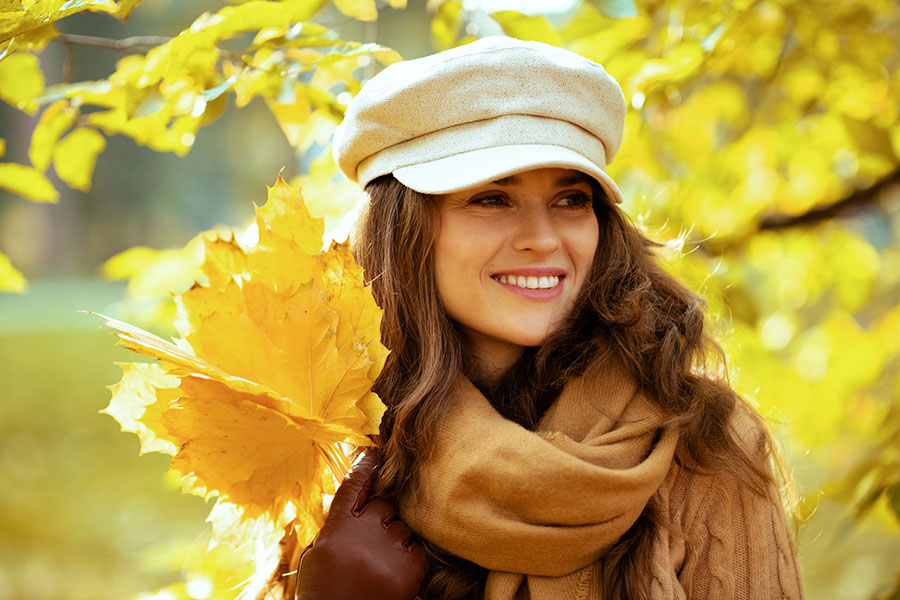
(536, 231)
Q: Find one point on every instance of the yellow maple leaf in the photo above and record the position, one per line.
(273, 375)
(132, 396)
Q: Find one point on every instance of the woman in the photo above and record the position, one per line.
(555, 428)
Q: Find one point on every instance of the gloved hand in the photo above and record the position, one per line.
(363, 551)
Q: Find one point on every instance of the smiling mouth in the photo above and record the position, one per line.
(530, 282)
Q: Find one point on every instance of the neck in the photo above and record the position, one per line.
(491, 358)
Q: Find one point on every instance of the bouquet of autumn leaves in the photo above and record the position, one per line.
(268, 391)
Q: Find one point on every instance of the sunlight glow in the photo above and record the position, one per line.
(200, 588)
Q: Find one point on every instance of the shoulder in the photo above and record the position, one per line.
(735, 539)
(695, 495)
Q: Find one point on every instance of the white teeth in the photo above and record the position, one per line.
(530, 282)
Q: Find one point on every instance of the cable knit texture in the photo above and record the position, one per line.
(540, 509)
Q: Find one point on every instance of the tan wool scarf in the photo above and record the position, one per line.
(540, 505)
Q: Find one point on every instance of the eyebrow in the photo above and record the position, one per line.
(562, 181)
(573, 179)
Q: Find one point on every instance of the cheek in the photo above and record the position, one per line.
(584, 246)
(464, 246)
(451, 264)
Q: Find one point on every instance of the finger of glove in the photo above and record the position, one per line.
(396, 531)
(354, 490)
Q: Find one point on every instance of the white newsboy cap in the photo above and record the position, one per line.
(473, 114)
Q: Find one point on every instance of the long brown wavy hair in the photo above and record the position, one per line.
(629, 309)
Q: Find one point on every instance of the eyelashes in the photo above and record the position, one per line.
(577, 200)
(569, 201)
(492, 201)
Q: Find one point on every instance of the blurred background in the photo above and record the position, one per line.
(761, 149)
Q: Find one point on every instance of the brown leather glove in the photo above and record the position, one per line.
(363, 551)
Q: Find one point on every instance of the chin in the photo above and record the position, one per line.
(535, 337)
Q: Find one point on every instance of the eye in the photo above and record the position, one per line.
(490, 201)
(575, 200)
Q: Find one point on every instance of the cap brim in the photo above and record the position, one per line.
(478, 167)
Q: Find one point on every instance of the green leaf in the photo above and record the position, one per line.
(21, 81)
(55, 120)
(27, 182)
(11, 279)
(616, 9)
(76, 155)
(527, 27)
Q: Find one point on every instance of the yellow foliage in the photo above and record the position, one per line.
(679, 64)
(21, 80)
(329, 197)
(133, 404)
(446, 24)
(738, 112)
(11, 279)
(291, 110)
(364, 10)
(75, 156)
(19, 17)
(161, 98)
(33, 40)
(279, 353)
(895, 139)
(527, 27)
(55, 120)
(153, 276)
(604, 39)
(27, 182)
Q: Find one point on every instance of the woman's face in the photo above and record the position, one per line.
(511, 256)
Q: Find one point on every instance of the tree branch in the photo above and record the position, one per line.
(855, 200)
(130, 45)
(68, 63)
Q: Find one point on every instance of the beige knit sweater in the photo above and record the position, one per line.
(540, 509)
